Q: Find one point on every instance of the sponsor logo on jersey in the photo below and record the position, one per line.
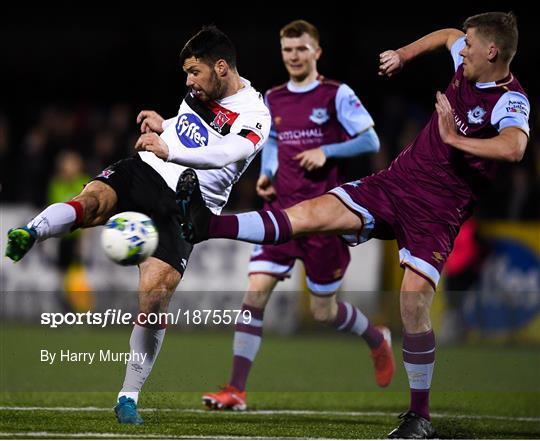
(291, 135)
(191, 131)
(517, 106)
(319, 115)
(461, 126)
(476, 115)
(219, 121)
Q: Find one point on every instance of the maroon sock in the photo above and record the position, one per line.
(419, 360)
(262, 227)
(247, 340)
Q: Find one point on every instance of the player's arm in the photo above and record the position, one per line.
(365, 142)
(229, 149)
(269, 166)
(392, 61)
(508, 145)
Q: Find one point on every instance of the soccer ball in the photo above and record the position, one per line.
(129, 238)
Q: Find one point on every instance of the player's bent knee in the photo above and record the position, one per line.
(322, 311)
(98, 201)
(158, 276)
(257, 299)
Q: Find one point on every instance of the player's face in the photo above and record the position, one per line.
(300, 56)
(202, 80)
(475, 55)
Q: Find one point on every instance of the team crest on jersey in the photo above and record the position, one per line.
(319, 115)
(106, 173)
(354, 101)
(219, 121)
(191, 131)
(476, 115)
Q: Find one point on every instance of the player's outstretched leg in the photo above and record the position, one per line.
(198, 223)
(92, 207)
(56, 220)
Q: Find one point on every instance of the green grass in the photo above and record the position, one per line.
(478, 392)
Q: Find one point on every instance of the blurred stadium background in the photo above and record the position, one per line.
(72, 83)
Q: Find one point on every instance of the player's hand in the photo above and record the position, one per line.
(150, 121)
(311, 159)
(265, 189)
(447, 124)
(151, 142)
(390, 63)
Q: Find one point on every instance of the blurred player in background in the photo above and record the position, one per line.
(220, 127)
(316, 123)
(424, 196)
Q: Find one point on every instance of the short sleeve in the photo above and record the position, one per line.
(512, 110)
(351, 113)
(455, 50)
(255, 126)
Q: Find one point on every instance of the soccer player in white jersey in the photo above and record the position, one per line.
(317, 123)
(221, 125)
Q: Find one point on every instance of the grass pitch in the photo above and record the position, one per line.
(307, 386)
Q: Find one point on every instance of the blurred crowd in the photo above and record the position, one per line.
(62, 146)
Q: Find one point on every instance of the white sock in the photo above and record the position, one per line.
(143, 341)
(56, 220)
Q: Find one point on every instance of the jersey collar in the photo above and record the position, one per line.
(499, 83)
(302, 89)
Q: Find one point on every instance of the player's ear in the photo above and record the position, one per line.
(492, 52)
(221, 67)
(318, 52)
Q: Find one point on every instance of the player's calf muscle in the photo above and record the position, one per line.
(325, 214)
(98, 201)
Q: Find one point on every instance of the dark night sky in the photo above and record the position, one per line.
(95, 56)
(105, 55)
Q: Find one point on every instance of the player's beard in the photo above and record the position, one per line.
(216, 88)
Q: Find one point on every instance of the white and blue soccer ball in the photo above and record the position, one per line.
(129, 238)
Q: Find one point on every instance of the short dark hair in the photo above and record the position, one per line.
(297, 28)
(209, 45)
(499, 27)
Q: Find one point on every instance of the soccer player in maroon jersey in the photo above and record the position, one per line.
(425, 195)
(316, 123)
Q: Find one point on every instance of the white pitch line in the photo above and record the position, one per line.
(133, 436)
(273, 412)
